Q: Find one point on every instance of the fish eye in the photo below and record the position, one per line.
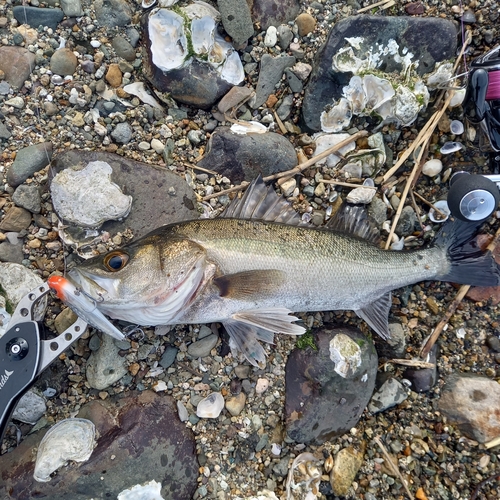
(115, 261)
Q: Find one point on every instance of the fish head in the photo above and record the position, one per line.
(148, 282)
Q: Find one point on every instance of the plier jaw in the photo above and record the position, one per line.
(23, 355)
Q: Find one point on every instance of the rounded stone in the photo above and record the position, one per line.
(114, 75)
(305, 24)
(63, 62)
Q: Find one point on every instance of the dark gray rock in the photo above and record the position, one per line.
(406, 222)
(244, 157)
(236, 19)
(393, 347)
(159, 196)
(271, 13)
(431, 40)
(271, 71)
(285, 108)
(72, 8)
(285, 36)
(320, 403)
(36, 16)
(123, 48)
(11, 253)
(140, 438)
(134, 36)
(28, 161)
(423, 379)
(202, 347)
(390, 394)
(122, 133)
(169, 356)
(113, 13)
(63, 62)
(472, 403)
(28, 196)
(293, 80)
(4, 131)
(16, 63)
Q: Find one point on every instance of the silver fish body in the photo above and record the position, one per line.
(253, 267)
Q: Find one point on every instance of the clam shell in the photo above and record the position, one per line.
(211, 406)
(450, 147)
(458, 98)
(251, 127)
(71, 439)
(337, 117)
(456, 127)
(432, 167)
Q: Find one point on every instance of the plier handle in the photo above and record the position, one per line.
(23, 355)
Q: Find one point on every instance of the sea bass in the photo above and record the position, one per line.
(257, 263)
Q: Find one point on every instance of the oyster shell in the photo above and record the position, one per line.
(303, 478)
(169, 46)
(355, 94)
(139, 90)
(211, 406)
(442, 74)
(377, 92)
(406, 106)
(362, 195)
(442, 206)
(200, 9)
(243, 128)
(345, 61)
(146, 491)
(70, 439)
(337, 117)
(203, 34)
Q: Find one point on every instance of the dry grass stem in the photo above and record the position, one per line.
(391, 464)
(428, 203)
(296, 170)
(201, 169)
(383, 4)
(452, 308)
(346, 184)
(492, 443)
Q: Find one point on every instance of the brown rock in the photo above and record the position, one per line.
(305, 23)
(114, 75)
(271, 101)
(346, 465)
(415, 8)
(17, 219)
(16, 63)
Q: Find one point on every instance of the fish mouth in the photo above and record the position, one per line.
(90, 284)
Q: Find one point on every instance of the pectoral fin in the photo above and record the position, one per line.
(248, 327)
(249, 284)
(376, 315)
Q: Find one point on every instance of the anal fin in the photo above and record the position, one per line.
(248, 327)
(376, 315)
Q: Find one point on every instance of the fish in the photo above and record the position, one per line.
(255, 265)
(83, 306)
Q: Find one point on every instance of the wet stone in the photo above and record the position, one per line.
(467, 401)
(140, 436)
(28, 197)
(169, 356)
(244, 157)
(30, 409)
(395, 346)
(123, 48)
(270, 13)
(146, 184)
(28, 161)
(113, 13)
(35, 16)
(311, 399)
(416, 34)
(236, 19)
(202, 347)
(407, 221)
(423, 379)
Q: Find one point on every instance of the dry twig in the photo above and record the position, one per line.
(391, 464)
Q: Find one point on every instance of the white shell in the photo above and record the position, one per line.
(458, 98)
(377, 91)
(355, 94)
(211, 406)
(432, 167)
(346, 61)
(337, 117)
(146, 491)
(441, 75)
(442, 206)
(169, 46)
(232, 70)
(303, 477)
(139, 90)
(203, 34)
(71, 439)
(200, 9)
(326, 141)
(406, 106)
(243, 128)
(456, 127)
(451, 147)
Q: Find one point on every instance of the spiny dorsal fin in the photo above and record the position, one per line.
(261, 202)
(355, 221)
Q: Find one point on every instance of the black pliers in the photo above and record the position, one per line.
(23, 355)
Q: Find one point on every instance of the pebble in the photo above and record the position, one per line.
(271, 37)
(72, 8)
(123, 48)
(202, 347)
(15, 102)
(30, 408)
(168, 357)
(36, 16)
(158, 146)
(16, 219)
(390, 394)
(262, 385)
(346, 466)
(235, 404)
(64, 319)
(305, 24)
(28, 161)
(28, 196)
(63, 62)
(122, 133)
(236, 19)
(105, 366)
(285, 36)
(114, 75)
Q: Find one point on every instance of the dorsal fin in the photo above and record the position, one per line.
(261, 202)
(355, 221)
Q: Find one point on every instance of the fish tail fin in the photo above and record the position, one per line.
(468, 264)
